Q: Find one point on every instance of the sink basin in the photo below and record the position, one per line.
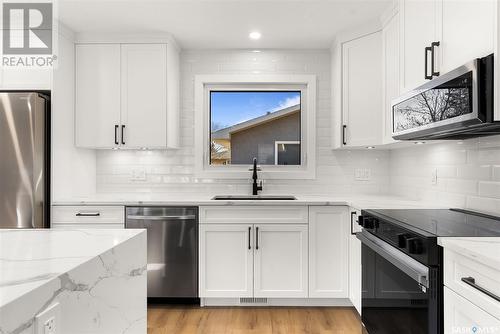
(255, 197)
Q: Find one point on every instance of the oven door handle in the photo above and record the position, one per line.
(405, 263)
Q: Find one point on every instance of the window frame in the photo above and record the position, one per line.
(306, 84)
(283, 142)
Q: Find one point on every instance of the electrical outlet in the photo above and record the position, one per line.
(138, 174)
(434, 177)
(49, 320)
(49, 327)
(362, 174)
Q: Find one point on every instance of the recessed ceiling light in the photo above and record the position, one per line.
(370, 147)
(256, 51)
(254, 35)
(419, 142)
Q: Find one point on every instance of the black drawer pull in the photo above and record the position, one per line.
(123, 135)
(88, 214)
(116, 135)
(433, 46)
(472, 282)
(256, 238)
(249, 237)
(353, 214)
(344, 142)
(426, 67)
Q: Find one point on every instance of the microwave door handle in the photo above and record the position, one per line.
(426, 64)
(417, 271)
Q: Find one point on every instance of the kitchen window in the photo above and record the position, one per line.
(255, 124)
(270, 118)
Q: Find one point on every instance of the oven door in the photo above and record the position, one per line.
(398, 293)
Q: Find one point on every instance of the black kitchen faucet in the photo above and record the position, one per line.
(255, 187)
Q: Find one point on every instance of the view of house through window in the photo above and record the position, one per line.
(260, 124)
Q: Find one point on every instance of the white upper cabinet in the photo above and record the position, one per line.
(418, 29)
(390, 51)
(444, 34)
(143, 95)
(468, 31)
(126, 96)
(362, 91)
(97, 95)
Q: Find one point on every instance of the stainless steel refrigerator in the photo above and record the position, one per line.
(24, 159)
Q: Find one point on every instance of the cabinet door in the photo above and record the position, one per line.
(226, 260)
(418, 30)
(328, 252)
(390, 42)
(468, 31)
(144, 95)
(362, 90)
(462, 316)
(280, 258)
(97, 95)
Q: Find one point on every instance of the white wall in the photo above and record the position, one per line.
(468, 173)
(73, 169)
(172, 171)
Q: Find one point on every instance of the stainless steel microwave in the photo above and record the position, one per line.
(456, 105)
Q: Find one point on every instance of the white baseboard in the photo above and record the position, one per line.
(305, 302)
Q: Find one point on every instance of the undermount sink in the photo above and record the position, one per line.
(255, 197)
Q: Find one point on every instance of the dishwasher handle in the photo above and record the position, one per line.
(141, 217)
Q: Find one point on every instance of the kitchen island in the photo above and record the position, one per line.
(81, 281)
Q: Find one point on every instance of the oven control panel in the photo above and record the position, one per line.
(417, 246)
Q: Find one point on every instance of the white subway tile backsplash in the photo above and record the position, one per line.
(173, 170)
(489, 189)
(468, 173)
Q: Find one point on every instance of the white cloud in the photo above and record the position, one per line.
(290, 101)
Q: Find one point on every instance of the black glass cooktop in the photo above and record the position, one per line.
(442, 222)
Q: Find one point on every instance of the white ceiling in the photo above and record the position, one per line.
(225, 23)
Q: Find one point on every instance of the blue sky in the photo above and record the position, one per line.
(229, 108)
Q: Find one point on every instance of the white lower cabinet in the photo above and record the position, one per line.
(87, 217)
(257, 252)
(328, 252)
(280, 261)
(226, 260)
(241, 260)
(462, 316)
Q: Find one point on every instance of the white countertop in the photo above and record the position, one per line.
(30, 259)
(482, 249)
(358, 202)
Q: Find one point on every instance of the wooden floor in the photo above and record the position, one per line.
(222, 320)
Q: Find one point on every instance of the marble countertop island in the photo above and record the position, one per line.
(97, 276)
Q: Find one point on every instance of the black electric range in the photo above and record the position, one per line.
(402, 265)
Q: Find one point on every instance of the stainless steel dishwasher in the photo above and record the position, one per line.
(172, 234)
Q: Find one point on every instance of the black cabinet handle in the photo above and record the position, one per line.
(353, 214)
(123, 135)
(472, 282)
(88, 214)
(249, 237)
(433, 72)
(343, 134)
(116, 135)
(256, 238)
(426, 67)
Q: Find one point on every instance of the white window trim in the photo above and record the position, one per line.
(279, 142)
(308, 126)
